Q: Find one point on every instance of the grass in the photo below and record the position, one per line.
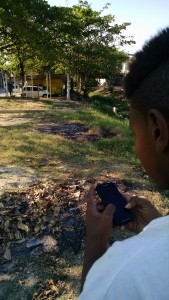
(23, 145)
(104, 102)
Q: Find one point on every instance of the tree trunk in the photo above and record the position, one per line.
(79, 83)
(21, 66)
(85, 93)
(22, 72)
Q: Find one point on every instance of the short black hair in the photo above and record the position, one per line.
(147, 83)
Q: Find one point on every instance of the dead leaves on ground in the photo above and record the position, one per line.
(50, 211)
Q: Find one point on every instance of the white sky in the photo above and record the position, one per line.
(147, 17)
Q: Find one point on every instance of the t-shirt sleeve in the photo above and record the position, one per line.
(136, 268)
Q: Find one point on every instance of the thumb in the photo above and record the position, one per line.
(109, 210)
(132, 202)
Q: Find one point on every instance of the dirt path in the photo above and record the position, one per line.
(10, 176)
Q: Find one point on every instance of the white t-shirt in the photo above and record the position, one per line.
(134, 269)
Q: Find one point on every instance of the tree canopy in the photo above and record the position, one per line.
(78, 40)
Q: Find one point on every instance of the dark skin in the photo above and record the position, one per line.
(144, 212)
(151, 142)
(99, 226)
(151, 132)
(98, 232)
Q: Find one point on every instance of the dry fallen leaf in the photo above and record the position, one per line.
(49, 244)
(7, 253)
(1, 205)
(6, 225)
(23, 227)
(77, 194)
(18, 235)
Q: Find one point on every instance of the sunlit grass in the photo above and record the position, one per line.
(24, 145)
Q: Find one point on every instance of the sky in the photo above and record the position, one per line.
(147, 17)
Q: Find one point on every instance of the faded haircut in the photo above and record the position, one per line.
(147, 83)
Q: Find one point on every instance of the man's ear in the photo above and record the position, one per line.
(160, 130)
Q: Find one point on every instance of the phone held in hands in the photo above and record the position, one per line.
(109, 193)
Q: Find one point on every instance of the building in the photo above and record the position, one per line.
(52, 82)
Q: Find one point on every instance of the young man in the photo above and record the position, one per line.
(138, 267)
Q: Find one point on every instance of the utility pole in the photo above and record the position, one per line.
(50, 85)
(47, 83)
(68, 86)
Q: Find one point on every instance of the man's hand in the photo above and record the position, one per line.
(144, 212)
(98, 219)
(98, 231)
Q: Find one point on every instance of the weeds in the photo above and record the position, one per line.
(22, 144)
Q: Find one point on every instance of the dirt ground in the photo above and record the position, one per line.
(43, 228)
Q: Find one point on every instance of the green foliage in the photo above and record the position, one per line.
(91, 50)
(36, 37)
(23, 34)
(23, 144)
(105, 103)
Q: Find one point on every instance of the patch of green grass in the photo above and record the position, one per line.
(105, 103)
(24, 145)
(120, 149)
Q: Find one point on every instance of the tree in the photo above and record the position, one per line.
(23, 32)
(91, 45)
(76, 40)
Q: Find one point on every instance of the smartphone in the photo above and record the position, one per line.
(109, 193)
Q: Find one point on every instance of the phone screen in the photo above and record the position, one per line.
(109, 193)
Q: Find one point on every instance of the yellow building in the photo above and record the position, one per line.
(54, 82)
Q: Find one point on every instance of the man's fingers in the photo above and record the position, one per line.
(134, 201)
(91, 190)
(138, 202)
(100, 207)
(109, 210)
(90, 196)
